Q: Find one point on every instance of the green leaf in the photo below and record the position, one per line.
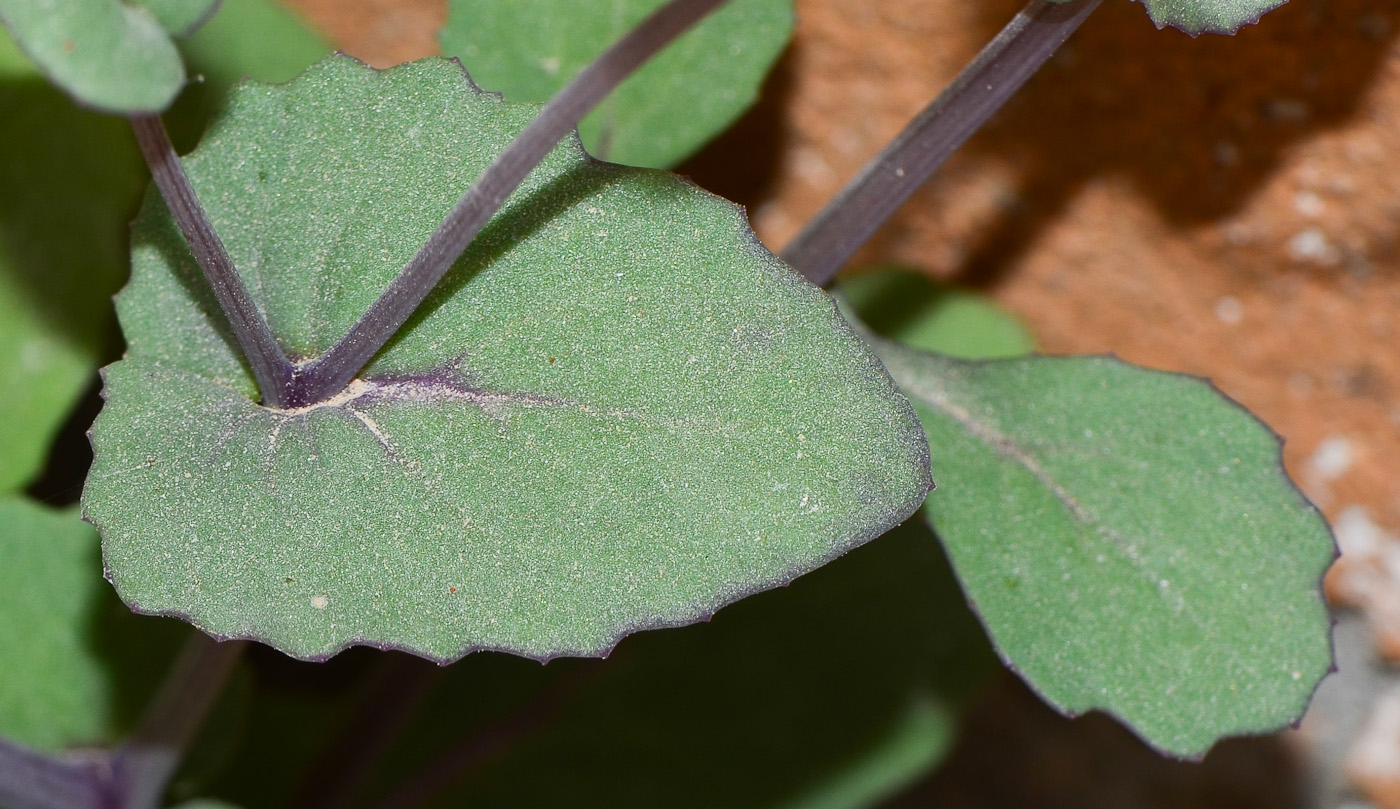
(260, 39)
(181, 17)
(13, 62)
(1130, 540)
(257, 39)
(910, 308)
(1208, 16)
(62, 635)
(64, 213)
(835, 692)
(618, 411)
(107, 54)
(688, 94)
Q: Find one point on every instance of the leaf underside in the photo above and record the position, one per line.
(1130, 540)
(109, 55)
(688, 94)
(1208, 16)
(617, 412)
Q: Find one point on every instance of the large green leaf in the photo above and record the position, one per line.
(692, 91)
(64, 209)
(107, 54)
(1130, 540)
(1208, 16)
(618, 412)
(74, 663)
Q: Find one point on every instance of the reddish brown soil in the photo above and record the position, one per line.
(1228, 207)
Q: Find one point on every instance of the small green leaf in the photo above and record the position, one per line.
(181, 17)
(107, 54)
(1130, 540)
(1208, 16)
(911, 309)
(64, 214)
(618, 412)
(688, 94)
(58, 625)
(260, 39)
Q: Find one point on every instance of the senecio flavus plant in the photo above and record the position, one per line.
(408, 366)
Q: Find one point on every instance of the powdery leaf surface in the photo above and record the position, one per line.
(1130, 540)
(110, 55)
(1208, 16)
(688, 94)
(618, 412)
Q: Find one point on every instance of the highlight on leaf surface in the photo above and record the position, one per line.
(692, 91)
(617, 412)
(109, 55)
(1208, 16)
(1130, 540)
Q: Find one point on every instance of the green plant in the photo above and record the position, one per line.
(401, 372)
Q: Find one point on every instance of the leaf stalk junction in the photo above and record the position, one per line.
(285, 384)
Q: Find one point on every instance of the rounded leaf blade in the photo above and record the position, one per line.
(618, 412)
(1130, 540)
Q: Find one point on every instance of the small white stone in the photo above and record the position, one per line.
(1332, 458)
(1311, 244)
(1229, 310)
(1308, 204)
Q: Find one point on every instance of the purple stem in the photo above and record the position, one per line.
(848, 221)
(33, 780)
(135, 775)
(462, 760)
(398, 687)
(329, 373)
(271, 368)
(144, 764)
